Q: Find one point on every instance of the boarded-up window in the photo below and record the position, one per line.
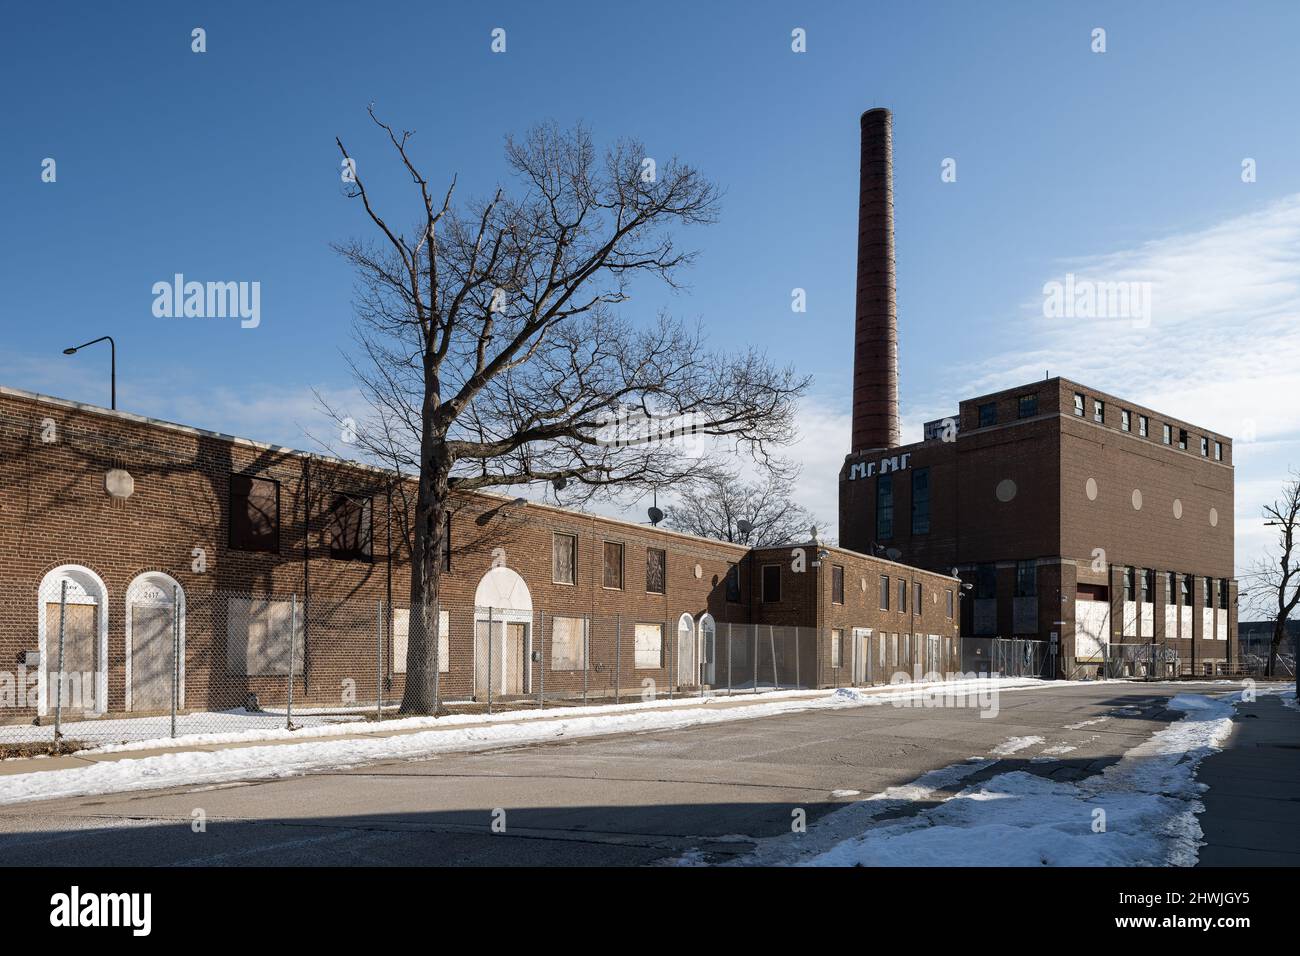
(837, 647)
(613, 577)
(733, 584)
(771, 584)
(837, 584)
(568, 644)
(254, 513)
(348, 528)
(401, 639)
(649, 651)
(656, 570)
(257, 637)
(564, 558)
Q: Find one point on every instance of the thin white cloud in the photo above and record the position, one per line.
(1222, 348)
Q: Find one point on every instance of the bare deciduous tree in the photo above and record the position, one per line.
(760, 514)
(1275, 580)
(492, 352)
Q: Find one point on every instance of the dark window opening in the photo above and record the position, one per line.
(348, 528)
(837, 584)
(1026, 578)
(921, 501)
(771, 583)
(733, 584)
(988, 414)
(1028, 406)
(885, 507)
(884, 592)
(986, 581)
(254, 514)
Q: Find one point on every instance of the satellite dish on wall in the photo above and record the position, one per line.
(559, 483)
(655, 514)
(744, 527)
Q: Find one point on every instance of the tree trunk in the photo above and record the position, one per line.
(1279, 630)
(430, 526)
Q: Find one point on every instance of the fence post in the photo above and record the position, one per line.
(797, 685)
(586, 654)
(674, 654)
(771, 642)
(729, 652)
(379, 659)
(542, 658)
(699, 654)
(618, 658)
(437, 648)
(293, 629)
(176, 650)
(490, 636)
(58, 680)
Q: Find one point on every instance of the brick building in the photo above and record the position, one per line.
(159, 528)
(1073, 517)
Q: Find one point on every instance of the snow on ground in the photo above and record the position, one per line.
(1014, 744)
(452, 735)
(1139, 811)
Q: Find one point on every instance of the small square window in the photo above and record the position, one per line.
(988, 414)
(1028, 406)
(348, 528)
(1078, 404)
(254, 514)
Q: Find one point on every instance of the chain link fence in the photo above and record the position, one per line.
(225, 663)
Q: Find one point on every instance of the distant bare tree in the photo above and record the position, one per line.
(1275, 580)
(760, 514)
(492, 353)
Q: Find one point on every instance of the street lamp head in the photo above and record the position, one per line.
(69, 351)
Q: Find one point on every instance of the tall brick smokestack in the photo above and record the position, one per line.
(875, 338)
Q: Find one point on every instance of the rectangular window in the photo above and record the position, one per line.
(733, 584)
(258, 635)
(564, 558)
(916, 597)
(837, 584)
(1187, 590)
(1218, 451)
(884, 592)
(1205, 447)
(837, 646)
(1144, 425)
(649, 649)
(568, 644)
(1125, 420)
(254, 514)
(656, 570)
(902, 596)
(1130, 584)
(1098, 411)
(771, 584)
(1148, 586)
(446, 542)
(401, 639)
(921, 501)
(988, 414)
(1207, 592)
(1171, 587)
(1028, 406)
(1026, 578)
(986, 581)
(348, 528)
(1168, 435)
(885, 507)
(1078, 404)
(1223, 593)
(948, 598)
(1182, 438)
(613, 574)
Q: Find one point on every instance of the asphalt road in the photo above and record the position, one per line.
(715, 791)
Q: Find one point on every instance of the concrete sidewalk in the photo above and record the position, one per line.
(1252, 809)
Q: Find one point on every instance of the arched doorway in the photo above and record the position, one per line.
(155, 630)
(82, 685)
(688, 658)
(503, 623)
(708, 648)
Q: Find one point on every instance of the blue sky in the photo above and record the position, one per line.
(222, 166)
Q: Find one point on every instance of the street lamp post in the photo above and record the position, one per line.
(112, 363)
